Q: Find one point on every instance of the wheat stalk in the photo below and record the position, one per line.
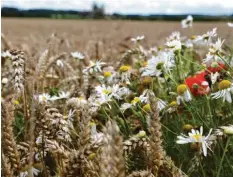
(112, 153)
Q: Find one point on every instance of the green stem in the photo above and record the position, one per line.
(224, 152)
(177, 66)
(230, 67)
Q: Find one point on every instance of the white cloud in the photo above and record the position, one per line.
(133, 6)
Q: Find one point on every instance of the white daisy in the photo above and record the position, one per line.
(141, 99)
(214, 77)
(225, 91)
(103, 90)
(125, 73)
(188, 22)
(164, 61)
(125, 106)
(207, 38)
(174, 45)
(137, 39)
(64, 95)
(96, 137)
(121, 93)
(148, 93)
(44, 97)
(216, 47)
(230, 25)
(189, 43)
(184, 94)
(214, 50)
(196, 137)
(54, 98)
(227, 129)
(70, 117)
(94, 67)
(134, 102)
(110, 77)
(6, 54)
(104, 94)
(174, 36)
(161, 104)
(153, 50)
(77, 55)
(32, 170)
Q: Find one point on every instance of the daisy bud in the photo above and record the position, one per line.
(147, 108)
(135, 100)
(187, 127)
(107, 74)
(91, 124)
(173, 103)
(16, 102)
(141, 134)
(147, 81)
(124, 68)
(181, 89)
(144, 64)
(227, 129)
(193, 37)
(160, 48)
(224, 84)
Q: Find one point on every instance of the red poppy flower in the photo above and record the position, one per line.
(216, 67)
(198, 84)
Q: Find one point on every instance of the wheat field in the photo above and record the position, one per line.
(112, 37)
(84, 98)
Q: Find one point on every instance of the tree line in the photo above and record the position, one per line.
(98, 12)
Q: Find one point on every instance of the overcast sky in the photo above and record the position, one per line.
(212, 7)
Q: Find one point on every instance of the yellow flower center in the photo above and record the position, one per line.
(16, 102)
(91, 124)
(173, 103)
(135, 100)
(181, 89)
(224, 84)
(160, 48)
(145, 63)
(147, 80)
(44, 98)
(187, 127)
(193, 37)
(197, 137)
(107, 74)
(80, 98)
(106, 91)
(146, 108)
(124, 68)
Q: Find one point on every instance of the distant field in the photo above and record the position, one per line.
(111, 36)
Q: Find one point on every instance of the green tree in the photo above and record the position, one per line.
(97, 11)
